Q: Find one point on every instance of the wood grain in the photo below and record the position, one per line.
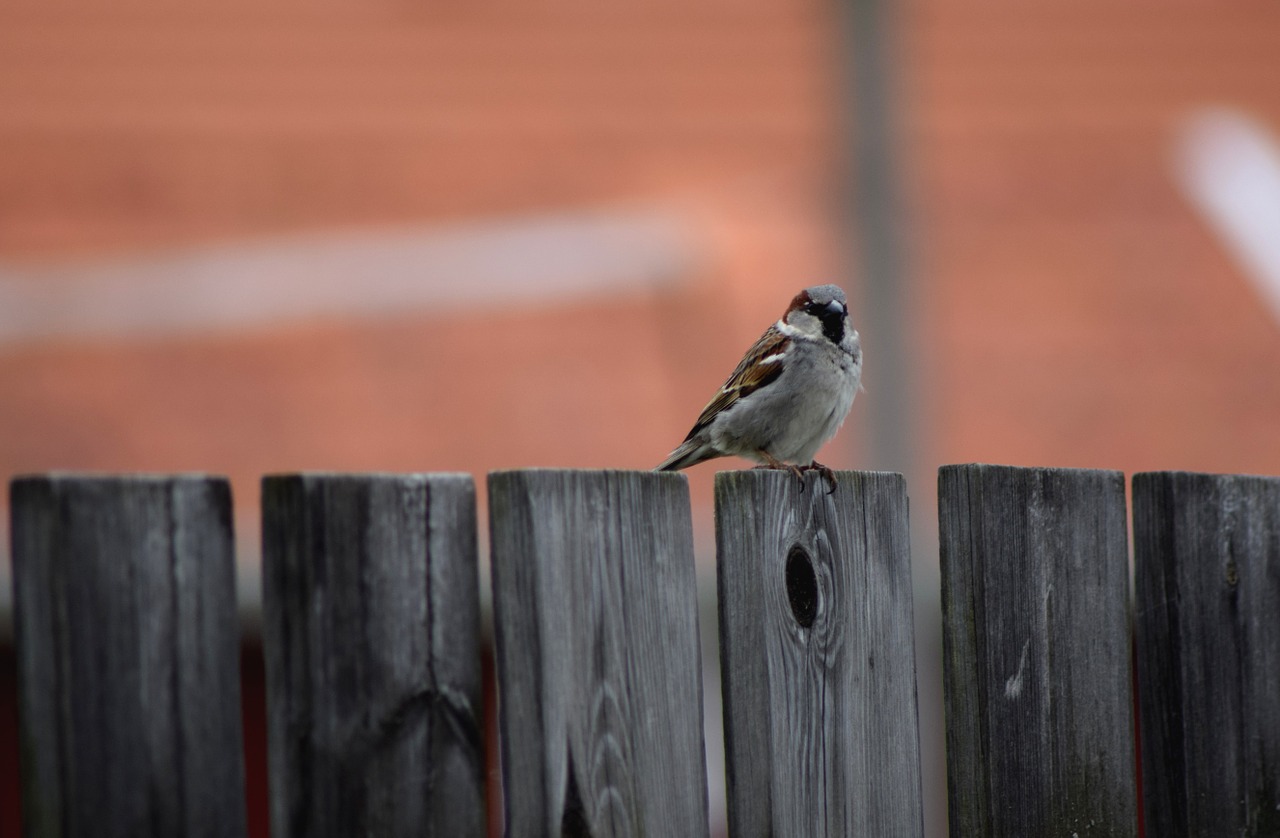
(371, 640)
(817, 655)
(595, 611)
(125, 623)
(1039, 703)
(1207, 570)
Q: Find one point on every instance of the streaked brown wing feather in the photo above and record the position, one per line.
(749, 376)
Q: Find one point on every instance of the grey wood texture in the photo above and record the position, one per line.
(595, 610)
(1207, 562)
(127, 653)
(371, 640)
(1036, 652)
(817, 655)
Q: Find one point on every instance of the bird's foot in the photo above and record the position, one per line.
(826, 472)
(772, 462)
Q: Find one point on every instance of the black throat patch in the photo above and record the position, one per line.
(832, 325)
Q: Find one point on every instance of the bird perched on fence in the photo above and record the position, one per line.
(788, 395)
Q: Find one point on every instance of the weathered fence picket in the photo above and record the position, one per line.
(371, 640)
(125, 627)
(1036, 652)
(125, 624)
(1207, 570)
(818, 656)
(595, 612)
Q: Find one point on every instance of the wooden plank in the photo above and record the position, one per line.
(1036, 652)
(371, 641)
(1207, 562)
(817, 655)
(127, 653)
(595, 610)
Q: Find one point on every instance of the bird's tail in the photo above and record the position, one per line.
(690, 453)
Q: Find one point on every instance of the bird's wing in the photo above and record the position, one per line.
(758, 368)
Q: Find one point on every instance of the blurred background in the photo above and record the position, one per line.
(382, 235)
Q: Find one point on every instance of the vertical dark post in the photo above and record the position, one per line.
(125, 621)
(371, 640)
(874, 192)
(1207, 556)
(595, 610)
(817, 655)
(1036, 651)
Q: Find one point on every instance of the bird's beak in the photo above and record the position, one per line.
(836, 307)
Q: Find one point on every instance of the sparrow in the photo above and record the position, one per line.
(789, 394)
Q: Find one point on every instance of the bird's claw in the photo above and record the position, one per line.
(774, 464)
(826, 472)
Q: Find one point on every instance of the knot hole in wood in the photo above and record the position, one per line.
(802, 586)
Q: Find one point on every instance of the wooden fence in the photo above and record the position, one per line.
(125, 626)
